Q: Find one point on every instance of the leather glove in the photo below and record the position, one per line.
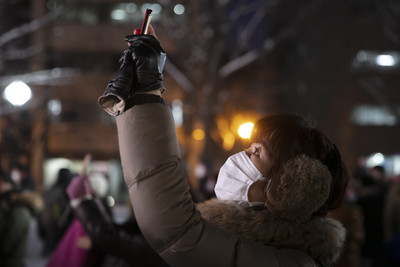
(141, 71)
(149, 60)
(79, 187)
(119, 90)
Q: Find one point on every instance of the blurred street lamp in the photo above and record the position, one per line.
(244, 130)
(17, 93)
(228, 141)
(376, 159)
(179, 9)
(198, 134)
(54, 106)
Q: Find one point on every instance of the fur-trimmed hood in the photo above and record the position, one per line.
(320, 238)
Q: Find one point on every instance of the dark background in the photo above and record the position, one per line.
(228, 62)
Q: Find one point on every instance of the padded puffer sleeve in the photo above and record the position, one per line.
(152, 170)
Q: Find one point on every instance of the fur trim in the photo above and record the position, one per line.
(302, 188)
(320, 238)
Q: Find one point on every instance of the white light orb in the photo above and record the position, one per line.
(244, 130)
(17, 93)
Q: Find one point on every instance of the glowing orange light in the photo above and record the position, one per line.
(198, 134)
(244, 130)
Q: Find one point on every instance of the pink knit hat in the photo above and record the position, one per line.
(301, 189)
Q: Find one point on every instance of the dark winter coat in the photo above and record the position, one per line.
(119, 245)
(16, 210)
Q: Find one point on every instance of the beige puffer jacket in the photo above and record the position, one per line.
(164, 209)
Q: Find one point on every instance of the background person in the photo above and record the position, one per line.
(108, 243)
(56, 216)
(16, 211)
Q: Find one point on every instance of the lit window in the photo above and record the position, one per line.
(366, 115)
(385, 60)
(376, 60)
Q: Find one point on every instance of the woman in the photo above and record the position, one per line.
(164, 209)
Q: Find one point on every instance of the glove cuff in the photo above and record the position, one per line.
(112, 102)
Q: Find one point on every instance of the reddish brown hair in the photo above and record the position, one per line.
(286, 136)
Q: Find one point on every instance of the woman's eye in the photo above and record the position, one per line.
(256, 152)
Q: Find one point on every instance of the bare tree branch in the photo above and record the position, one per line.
(29, 27)
(270, 43)
(179, 77)
(20, 54)
(51, 76)
(238, 63)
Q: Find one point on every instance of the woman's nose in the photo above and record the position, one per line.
(248, 151)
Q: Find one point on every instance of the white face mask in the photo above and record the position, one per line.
(16, 176)
(235, 178)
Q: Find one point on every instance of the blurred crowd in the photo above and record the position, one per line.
(75, 224)
(19, 202)
(370, 214)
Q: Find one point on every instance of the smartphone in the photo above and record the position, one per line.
(146, 22)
